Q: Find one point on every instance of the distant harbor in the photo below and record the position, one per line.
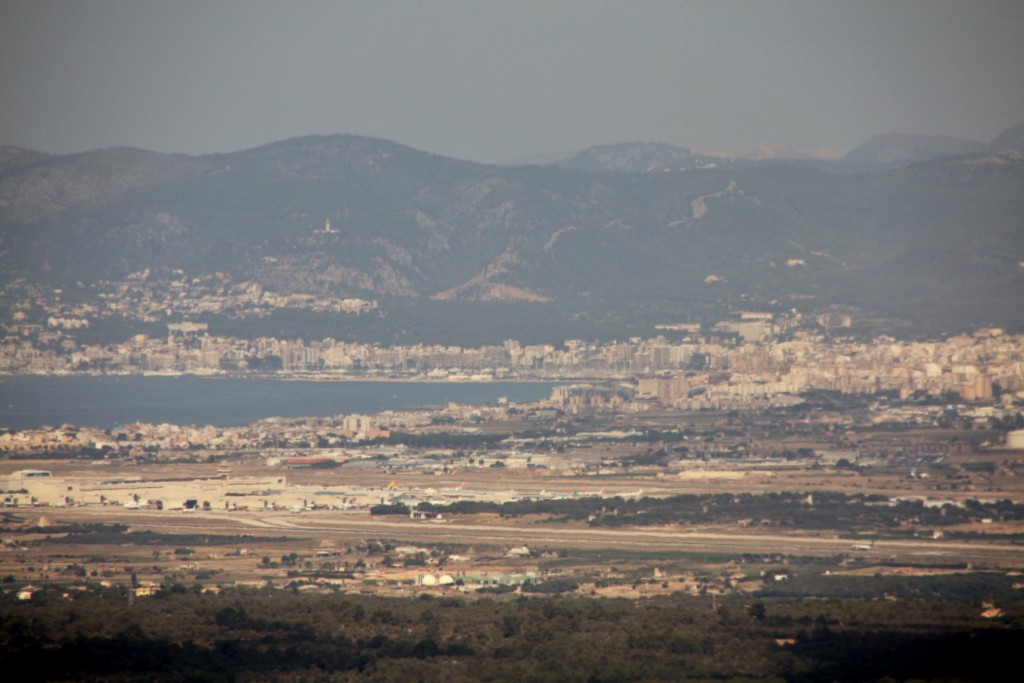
(29, 402)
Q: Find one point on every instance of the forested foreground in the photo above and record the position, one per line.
(279, 635)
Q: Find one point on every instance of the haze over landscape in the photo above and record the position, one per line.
(491, 82)
(561, 341)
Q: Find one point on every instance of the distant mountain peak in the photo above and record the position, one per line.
(776, 151)
(16, 157)
(1011, 138)
(901, 149)
(329, 145)
(635, 157)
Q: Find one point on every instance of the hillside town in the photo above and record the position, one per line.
(149, 296)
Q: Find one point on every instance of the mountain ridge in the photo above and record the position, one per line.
(895, 149)
(344, 215)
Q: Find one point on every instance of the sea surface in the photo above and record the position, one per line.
(106, 402)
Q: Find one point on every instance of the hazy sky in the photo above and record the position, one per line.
(492, 81)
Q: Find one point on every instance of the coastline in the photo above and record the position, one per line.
(34, 401)
(323, 377)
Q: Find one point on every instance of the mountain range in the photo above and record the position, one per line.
(927, 232)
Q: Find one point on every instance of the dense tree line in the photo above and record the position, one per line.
(820, 510)
(976, 586)
(261, 634)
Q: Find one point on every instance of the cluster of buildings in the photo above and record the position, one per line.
(970, 368)
(151, 297)
(746, 365)
(138, 438)
(752, 358)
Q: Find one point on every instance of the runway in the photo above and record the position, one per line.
(539, 534)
